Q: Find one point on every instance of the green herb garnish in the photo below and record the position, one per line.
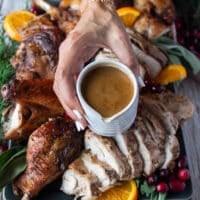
(7, 50)
(12, 163)
(178, 54)
(149, 191)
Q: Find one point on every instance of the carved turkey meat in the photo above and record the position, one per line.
(149, 144)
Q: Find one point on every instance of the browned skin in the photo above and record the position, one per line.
(162, 9)
(118, 3)
(31, 117)
(179, 105)
(150, 26)
(50, 150)
(38, 103)
(39, 91)
(67, 19)
(37, 55)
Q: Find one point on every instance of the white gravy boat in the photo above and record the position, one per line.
(119, 122)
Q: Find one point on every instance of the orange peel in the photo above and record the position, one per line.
(127, 191)
(171, 73)
(128, 15)
(15, 21)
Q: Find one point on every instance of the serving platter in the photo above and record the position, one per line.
(52, 191)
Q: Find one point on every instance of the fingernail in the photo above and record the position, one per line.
(81, 126)
(78, 115)
(140, 81)
(77, 126)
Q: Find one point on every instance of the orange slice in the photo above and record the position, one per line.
(126, 191)
(15, 21)
(128, 15)
(171, 74)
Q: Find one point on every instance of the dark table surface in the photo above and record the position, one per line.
(191, 129)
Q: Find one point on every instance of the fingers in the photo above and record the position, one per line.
(64, 83)
(73, 53)
(64, 87)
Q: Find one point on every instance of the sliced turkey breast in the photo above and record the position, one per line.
(153, 125)
(107, 176)
(147, 147)
(160, 144)
(152, 66)
(107, 151)
(181, 107)
(147, 47)
(128, 145)
(172, 150)
(169, 122)
(79, 182)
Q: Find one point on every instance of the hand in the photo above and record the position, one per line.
(98, 27)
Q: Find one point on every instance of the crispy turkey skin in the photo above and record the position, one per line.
(50, 149)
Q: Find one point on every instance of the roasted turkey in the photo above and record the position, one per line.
(151, 59)
(156, 18)
(51, 148)
(162, 9)
(22, 118)
(33, 102)
(37, 55)
(54, 144)
(151, 143)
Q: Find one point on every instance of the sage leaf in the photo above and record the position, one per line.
(4, 157)
(162, 196)
(174, 59)
(178, 53)
(13, 163)
(12, 170)
(154, 196)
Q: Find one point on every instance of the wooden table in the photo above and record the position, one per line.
(191, 129)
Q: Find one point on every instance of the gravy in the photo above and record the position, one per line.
(107, 90)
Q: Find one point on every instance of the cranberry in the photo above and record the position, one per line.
(176, 185)
(156, 88)
(183, 174)
(3, 147)
(152, 180)
(148, 81)
(162, 187)
(182, 162)
(152, 86)
(173, 176)
(35, 10)
(163, 174)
